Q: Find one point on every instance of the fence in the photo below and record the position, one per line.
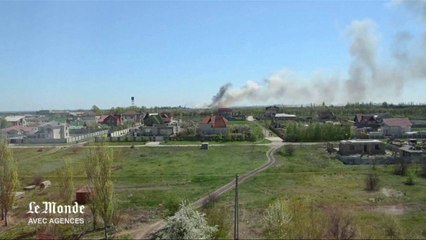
(82, 137)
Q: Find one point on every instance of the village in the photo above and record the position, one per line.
(367, 142)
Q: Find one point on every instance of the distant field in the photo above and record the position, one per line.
(313, 175)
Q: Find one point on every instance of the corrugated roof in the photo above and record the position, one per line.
(13, 118)
(397, 122)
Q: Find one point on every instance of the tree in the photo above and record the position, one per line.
(187, 223)
(96, 109)
(296, 218)
(66, 182)
(99, 171)
(8, 179)
(4, 123)
(277, 219)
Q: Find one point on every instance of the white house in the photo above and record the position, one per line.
(53, 130)
(16, 120)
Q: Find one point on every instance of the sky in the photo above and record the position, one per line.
(76, 54)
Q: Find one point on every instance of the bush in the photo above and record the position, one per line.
(340, 226)
(215, 217)
(289, 150)
(371, 182)
(187, 223)
(393, 229)
(410, 178)
(293, 219)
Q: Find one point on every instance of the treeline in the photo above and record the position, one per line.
(316, 132)
(348, 111)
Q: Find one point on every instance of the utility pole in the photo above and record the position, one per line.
(236, 209)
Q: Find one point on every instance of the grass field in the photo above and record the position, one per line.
(148, 181)
(164, 176)
(311, 174)
(152, 181)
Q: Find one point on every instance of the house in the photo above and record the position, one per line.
(152, 118)
(213, 125)
(271, 111)
(16, 120)
(82, 118)
(366, 121)
(364, 147)
(166, 116)
(133, 117)
(326, 116)
(113, 120)
(53, 130)
(396, 127)
(15, 134)
(159, 124)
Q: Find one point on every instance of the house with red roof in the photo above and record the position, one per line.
(113, 120)
(213, 125)
(396, 127)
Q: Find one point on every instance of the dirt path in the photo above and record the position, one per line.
(147, 232)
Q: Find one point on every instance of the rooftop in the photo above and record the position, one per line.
(397, 122)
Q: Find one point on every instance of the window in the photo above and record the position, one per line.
(377, 147)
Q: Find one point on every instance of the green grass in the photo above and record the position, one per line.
(148, 178)
(312, 174)
(158, 176)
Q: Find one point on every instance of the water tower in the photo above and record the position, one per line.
(133, 101)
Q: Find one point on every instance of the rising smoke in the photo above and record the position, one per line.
(368, 77)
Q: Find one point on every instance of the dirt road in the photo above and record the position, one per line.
(147, 232)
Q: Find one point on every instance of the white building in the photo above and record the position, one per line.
(16, 120)
(53, 130)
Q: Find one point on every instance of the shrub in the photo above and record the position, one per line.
(293, 219)
(289, 150)
(371, 182)
(215, 217)
(410, 178)
(392, 228)
(187, 223)
(340, 226)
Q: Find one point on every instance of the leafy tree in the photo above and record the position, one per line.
(66, 182)
(99, 171)
(187, 223)
(4, 123)
(96, 109)
(8, 179)
(293, 219)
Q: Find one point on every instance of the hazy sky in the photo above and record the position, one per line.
(75, 54)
